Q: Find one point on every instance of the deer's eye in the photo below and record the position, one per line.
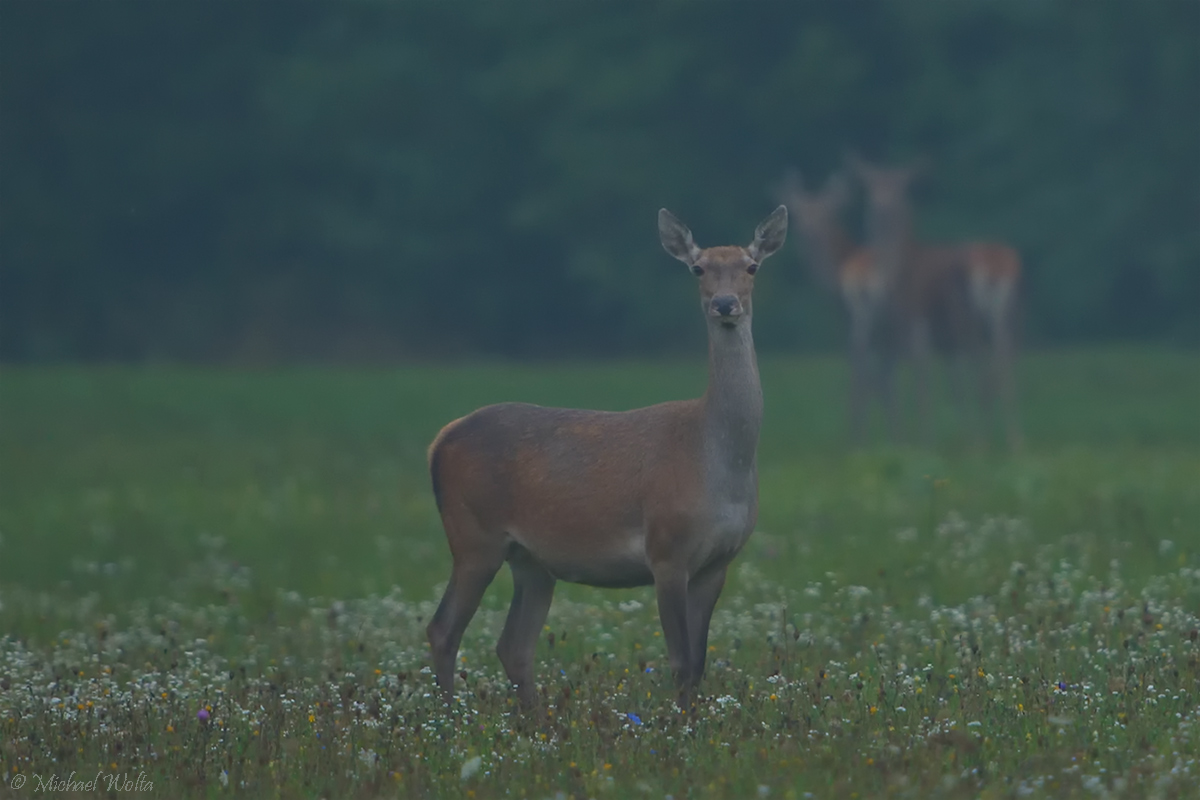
(753, 268)
(697, 269)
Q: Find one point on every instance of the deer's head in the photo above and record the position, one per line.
(887, 187)
(726, 273)
(817, 212)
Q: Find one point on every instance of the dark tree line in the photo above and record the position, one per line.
(274, 180)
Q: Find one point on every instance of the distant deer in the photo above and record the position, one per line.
(853, 271)
(961, 287)
(665, 495)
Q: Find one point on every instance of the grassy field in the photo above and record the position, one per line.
(218, 581)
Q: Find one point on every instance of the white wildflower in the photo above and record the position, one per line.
(470, 767)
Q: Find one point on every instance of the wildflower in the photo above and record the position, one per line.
(202, 715)
(470, 767)
(634, 718)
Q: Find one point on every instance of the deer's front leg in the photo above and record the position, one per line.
(671, 589)
(703, 592)
(860, 374)
(922, 355)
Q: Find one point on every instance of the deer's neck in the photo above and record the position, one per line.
(733, 404)
(828, 249)
(891, 235)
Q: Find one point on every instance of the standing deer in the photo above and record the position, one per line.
(853, 271)
(957, 288)
(665, 495)
(993, 274)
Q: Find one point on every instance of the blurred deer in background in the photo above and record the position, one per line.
(954, 290)
(840, 264)
(665, 495)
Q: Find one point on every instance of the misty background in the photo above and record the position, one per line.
(261, 182)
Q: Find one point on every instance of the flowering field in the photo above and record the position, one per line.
(217, 583)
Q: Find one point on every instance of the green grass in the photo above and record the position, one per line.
(265, 544)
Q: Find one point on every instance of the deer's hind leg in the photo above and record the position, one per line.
(533, 589)
(478, 556)
(1003, 364)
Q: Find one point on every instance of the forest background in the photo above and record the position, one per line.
(267, 182)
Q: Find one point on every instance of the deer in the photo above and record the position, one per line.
(964, 286)
(665, 495)
(852, 270)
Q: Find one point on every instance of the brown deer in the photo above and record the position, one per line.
(665, 495)
(956, 289)
(993, 275)
(853, 272)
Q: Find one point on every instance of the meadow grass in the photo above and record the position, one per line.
(219, 580)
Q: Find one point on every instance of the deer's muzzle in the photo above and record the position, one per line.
(725, 305)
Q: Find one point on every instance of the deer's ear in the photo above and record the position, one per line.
(769, 235)
(676, 238)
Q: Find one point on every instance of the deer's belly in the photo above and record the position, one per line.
(614, 562)
(607, 559)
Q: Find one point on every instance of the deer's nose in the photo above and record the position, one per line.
(725, 304)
